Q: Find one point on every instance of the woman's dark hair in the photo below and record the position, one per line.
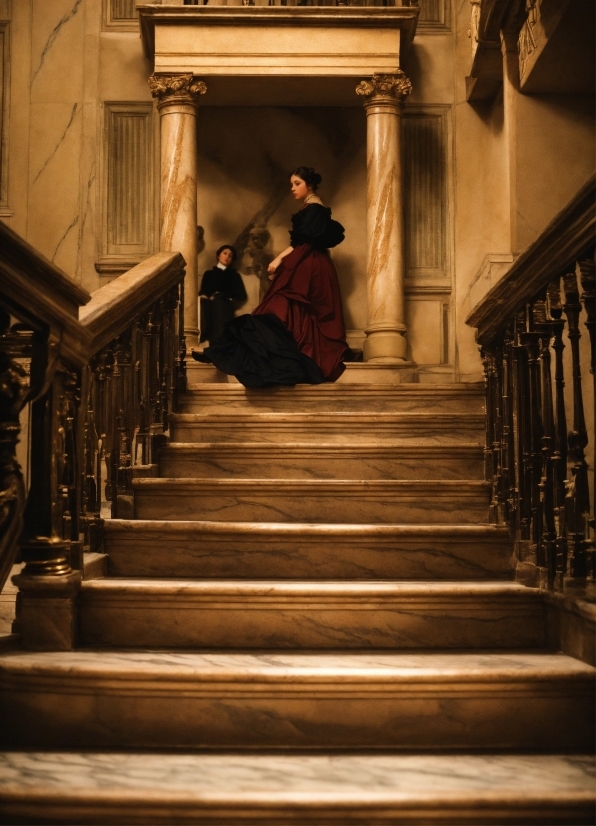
(227, 247)
(308, 175)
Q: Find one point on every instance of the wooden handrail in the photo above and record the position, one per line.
(41, 295)
(111, 308)
(567, 236)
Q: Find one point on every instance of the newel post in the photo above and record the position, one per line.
(48, 585)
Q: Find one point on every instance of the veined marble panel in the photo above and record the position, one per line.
(299, 551)
(295, 461)
(283, 789)
(55, 140)
(331, 427)
(271, 699)
(57, 51)
(313, 500)
(309, 615)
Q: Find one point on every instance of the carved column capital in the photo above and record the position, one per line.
(395, 87)
(184, 88)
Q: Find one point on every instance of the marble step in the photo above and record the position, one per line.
(422, 398)
(306, 551)
(330, 461)
(422, 700)
(338, 428)
(313, 500)
(282, 789)
(125, 613)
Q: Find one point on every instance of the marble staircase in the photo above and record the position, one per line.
(309, 620)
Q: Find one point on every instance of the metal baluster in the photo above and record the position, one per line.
(515, 354)
(13, 396)
(531, 342)
(588, 297)
(489, 467)
(507, 448)
(181, 359)
(525, 440)
(577, 499)
(559, 456)
(91, 468)
(547, 518)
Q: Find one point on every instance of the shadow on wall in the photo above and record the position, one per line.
(245, 157)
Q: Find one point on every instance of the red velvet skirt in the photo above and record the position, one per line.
(305, 296)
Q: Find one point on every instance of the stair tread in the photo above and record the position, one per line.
(316, 589)
(457, 485)
(407, 416)
(464, 388)
(236, 669)
(322, 447)
(481, 531)
(323, 782)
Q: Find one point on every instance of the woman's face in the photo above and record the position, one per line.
(225, 257)
(300, 188)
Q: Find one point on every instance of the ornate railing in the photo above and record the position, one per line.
(536, 330)
(99, 389)
(137, 366)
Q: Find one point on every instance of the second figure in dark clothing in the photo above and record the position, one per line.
(222, 293)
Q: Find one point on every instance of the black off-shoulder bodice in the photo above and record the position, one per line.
(314, 225)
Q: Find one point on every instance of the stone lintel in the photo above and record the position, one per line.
(333, 41)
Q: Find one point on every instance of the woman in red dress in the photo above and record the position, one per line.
(296, 334)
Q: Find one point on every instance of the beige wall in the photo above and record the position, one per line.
(555, 146)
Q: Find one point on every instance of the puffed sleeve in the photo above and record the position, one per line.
(309, 225)
(314, 225)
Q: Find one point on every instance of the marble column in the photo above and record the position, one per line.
(384, 96)
(177, 97)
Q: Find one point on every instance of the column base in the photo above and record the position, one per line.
(46, 611)
(385, 347)
(377, 373)
(191, 335)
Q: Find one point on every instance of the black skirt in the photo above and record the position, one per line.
(260, 352)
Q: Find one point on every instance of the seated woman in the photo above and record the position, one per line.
(221, 293)
(296, 334)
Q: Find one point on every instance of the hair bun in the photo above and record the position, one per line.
(308, 175)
